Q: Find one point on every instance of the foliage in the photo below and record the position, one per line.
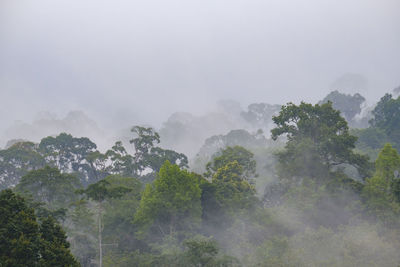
(381, 191)
(68, 154)
(121, 161)
(16, 161)
(19, 232)
(242, 156)
(348, 105)
(148, 155)
(316, 210)
(386, 116)
(317, 136)
(119, 213)
(260, 114)
(55, 248)
(23, 242)
(49, 186)
(233, 191)
(172, 200)
(196, 252)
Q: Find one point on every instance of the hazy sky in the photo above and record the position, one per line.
(136, 61)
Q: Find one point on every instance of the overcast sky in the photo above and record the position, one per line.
(138, 61)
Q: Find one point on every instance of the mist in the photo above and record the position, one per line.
(133, 61)
(168, 106)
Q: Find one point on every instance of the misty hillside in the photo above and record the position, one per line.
(304, 189)
(210, 133)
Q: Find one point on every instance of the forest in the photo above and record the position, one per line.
(273, 185)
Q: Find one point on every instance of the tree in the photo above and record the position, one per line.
(204, 252)
(19, 232)
(144, 142)
(54, 249)
(318, 135)
(260, 114)
(99, 192)
(23, 242)
(348, 105)
(16, 161)
(242, 156)
(387, 117)
(148, 155)
(158, 156)
(381, 113)
(119, 213)
(49, 186)
(82, 231)
(234, 138)
(98, 165)
(233, 189)
(172, 200)
(122, 163)
(381, 195)
(69, 154)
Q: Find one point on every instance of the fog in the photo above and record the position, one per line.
(125, 62)
(208, 76)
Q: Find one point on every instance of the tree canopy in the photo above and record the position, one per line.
(319, 135)
(25, 242)
(171, 199)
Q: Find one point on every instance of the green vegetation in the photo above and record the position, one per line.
(26, 242)
(309, 196)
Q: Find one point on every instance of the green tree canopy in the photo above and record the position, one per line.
(16, 161)
(233, 190)
(381, 192)
(50, 186)
(348, 105)
(54, 248)
(148, 155)
(170, 201)
(319, 135)
(242, 156)
(386, 116)
(69, 154)
(260, 114)
(100, 192)
(23, 242)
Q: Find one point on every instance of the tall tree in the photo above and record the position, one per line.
(260, 114)
(16, 161)
(148, 155)
(54, 250)
(318, 137)
(23, 242)
(121, 162)
(99, 192)
(172, 200)
(242, 156)
(381, 192)
(387, 117)
(50, 186)
(233, 189)
(19, 232)
(348, 105)
(69, 154)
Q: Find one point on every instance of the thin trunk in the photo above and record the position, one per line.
(172, 225)
(94, 171)
(100, 246)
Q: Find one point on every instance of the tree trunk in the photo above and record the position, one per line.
(99, 236)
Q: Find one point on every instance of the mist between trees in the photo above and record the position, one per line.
(273, 185)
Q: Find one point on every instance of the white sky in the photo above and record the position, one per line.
(138, 61)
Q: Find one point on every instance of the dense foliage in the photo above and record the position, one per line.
(307, 196)
(26, 242)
